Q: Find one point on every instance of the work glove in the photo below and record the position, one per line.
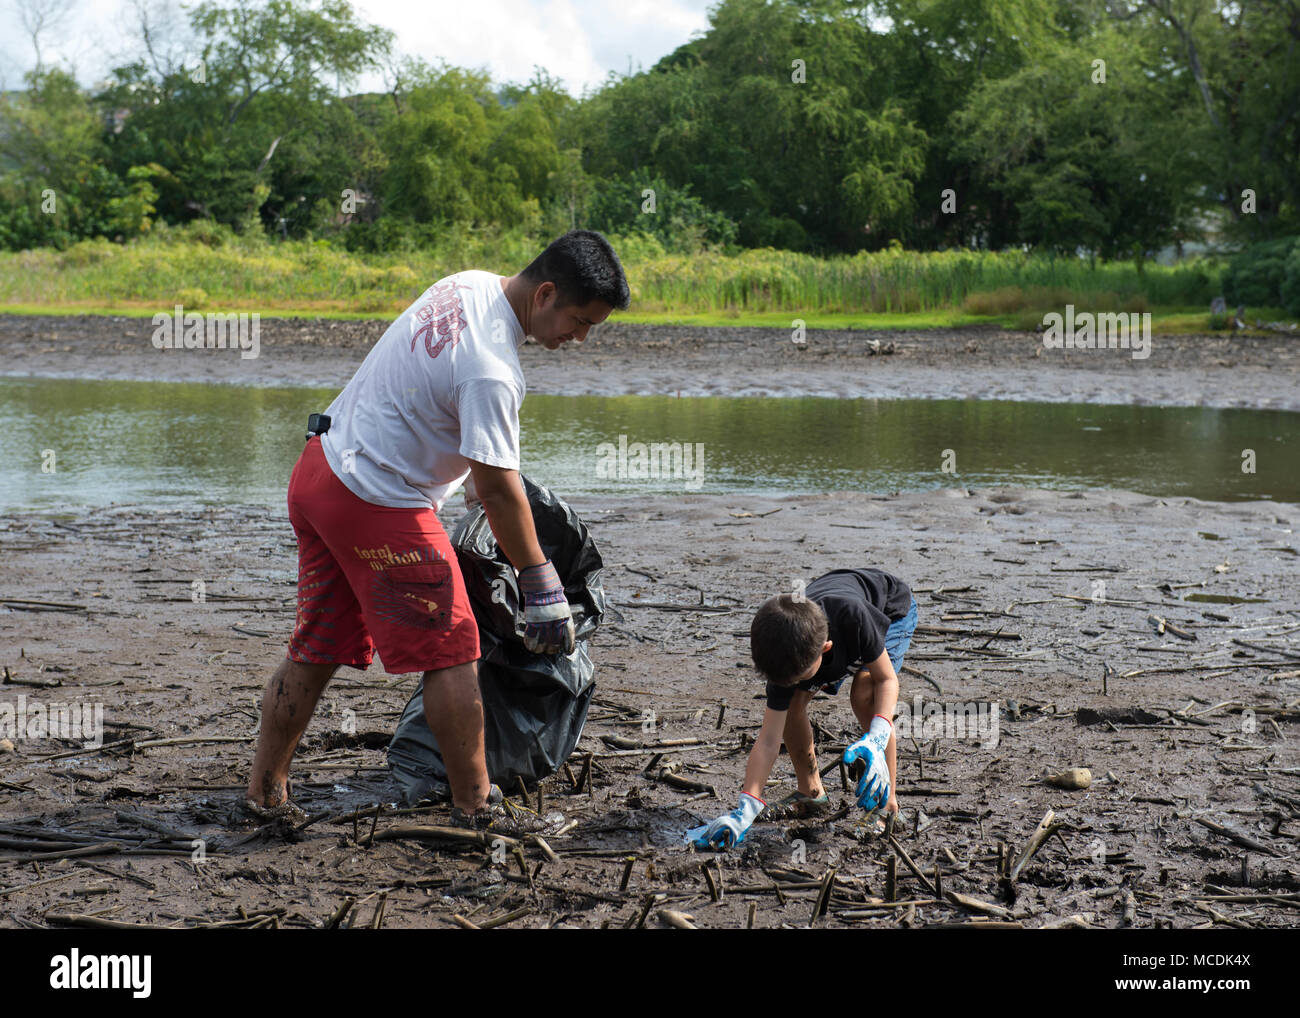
(730, 828)
(548, 623)
(873, 786)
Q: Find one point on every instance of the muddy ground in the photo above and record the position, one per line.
(1219, 370)
(1027, 598)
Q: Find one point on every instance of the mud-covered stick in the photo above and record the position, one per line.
(909, 670)
(456, 834)
(823, 896)
(753, 910)
(685, 784)
(891, 879)
(647, 905)
(332, 923)
(1237, 836)
(518, 852)
(976, 905)
(708, 879)
(722, 709)
(1163, 625)
(907, 861)
(1036, 841)
(1130, 908)
(100, 848)
(568, 773)
(509, 917)
(1270, 650)
(98, 923)
(628, 863)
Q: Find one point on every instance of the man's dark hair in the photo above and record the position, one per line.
(583, 268)
(786, 637)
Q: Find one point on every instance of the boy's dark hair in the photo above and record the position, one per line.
(583, 268)
(786, 637)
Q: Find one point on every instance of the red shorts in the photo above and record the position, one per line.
(371, 576)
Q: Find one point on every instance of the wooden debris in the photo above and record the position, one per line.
(975, 905)
(1044, 831)
(1236, 836)
(1163, 625)
(677, 920)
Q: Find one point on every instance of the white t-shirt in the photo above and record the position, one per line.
(442, 387)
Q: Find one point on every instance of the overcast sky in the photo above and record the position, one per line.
(578, 41)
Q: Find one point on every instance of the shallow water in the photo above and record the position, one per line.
(80, 442)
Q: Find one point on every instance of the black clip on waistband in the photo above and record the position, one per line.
(317, 424)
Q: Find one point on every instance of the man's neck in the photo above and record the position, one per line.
(517, 294)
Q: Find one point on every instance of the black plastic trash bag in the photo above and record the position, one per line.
(534, 705)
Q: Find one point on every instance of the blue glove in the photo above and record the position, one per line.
(730, 828)
(548, 623)
(873, 786)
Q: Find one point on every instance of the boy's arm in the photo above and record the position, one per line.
(730, 828)
(874, 700)
(878, 695)
(767, 747)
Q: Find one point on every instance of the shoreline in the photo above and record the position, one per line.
(1216, 371)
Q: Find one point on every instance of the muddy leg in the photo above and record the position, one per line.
(798, 737)
(453, 707)
(287, 706)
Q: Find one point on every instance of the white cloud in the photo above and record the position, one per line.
(578, 41)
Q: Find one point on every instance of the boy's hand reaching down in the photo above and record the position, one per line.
(730, 828)
(873, 787)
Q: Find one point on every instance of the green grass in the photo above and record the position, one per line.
(207, 269)
(1173, 321)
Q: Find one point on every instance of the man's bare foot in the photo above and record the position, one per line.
(287, 812)
(269, 793)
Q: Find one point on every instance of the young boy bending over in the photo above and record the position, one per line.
(855, 622)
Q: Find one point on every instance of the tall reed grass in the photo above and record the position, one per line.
(202, 266)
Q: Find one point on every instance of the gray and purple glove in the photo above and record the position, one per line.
(548, 623)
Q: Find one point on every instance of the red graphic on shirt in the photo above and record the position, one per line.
(441, 318)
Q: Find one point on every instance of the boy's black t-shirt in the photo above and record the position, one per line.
(860, 606)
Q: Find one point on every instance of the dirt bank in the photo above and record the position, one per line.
(1211, 370)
